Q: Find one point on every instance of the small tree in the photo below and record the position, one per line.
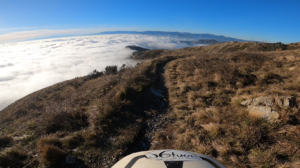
(95, 74)
(122, 68)
(111, 69)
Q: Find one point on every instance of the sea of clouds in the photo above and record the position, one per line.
(26, 67)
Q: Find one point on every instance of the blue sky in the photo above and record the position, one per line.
(264, 20)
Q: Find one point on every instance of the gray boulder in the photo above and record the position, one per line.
(287, 101)
(264, 112)
(264, 107)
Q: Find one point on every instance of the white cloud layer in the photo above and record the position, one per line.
(29, 66)
(13, 35)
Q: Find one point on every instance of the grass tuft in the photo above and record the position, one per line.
(52, 155)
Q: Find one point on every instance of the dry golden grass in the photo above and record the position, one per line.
(97, 116)
(205, 92)
(102, 115)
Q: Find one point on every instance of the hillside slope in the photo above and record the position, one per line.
(194, 106)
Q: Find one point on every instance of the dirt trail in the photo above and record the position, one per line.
(155, 110)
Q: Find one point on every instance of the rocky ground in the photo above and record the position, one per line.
(156, 113)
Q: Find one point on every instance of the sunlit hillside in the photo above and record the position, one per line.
(189, 99)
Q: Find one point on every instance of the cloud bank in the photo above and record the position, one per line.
(29, 66)
(23, 34)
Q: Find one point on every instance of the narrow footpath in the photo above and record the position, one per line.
(155, 110)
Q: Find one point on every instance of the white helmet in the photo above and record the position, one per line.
(167, 159)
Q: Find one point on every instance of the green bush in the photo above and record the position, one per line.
(95, 74)
(111, 69)
(273, 46)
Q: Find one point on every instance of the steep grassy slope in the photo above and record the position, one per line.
(101, 119)
(243, 46)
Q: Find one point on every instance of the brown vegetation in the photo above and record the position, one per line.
(15, 157)
(205, 92)
(101, 115)
(98, 116)
(52, 155)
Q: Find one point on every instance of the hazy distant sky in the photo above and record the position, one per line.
(262, 20)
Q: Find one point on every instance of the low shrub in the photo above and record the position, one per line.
(111, 69)
(4, 141)
(52, 155)
(273, 46)
(72, 141)
(12, 158)
(270, 78)
(48, 141)
(69, 121)
(95, 74)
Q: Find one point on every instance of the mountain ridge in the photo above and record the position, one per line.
(195, 36)
(208, 42)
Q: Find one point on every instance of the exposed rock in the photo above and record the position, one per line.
(74, 150)
(155, 143)
(70, 159)
(156, 93)
(264, 106)
(111, 139)
(292, 68)
(247, 102)
(287, 101)
(264, 112)
(265, 101)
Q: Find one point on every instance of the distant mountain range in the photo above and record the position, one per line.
(205, 36)
(209, 42)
